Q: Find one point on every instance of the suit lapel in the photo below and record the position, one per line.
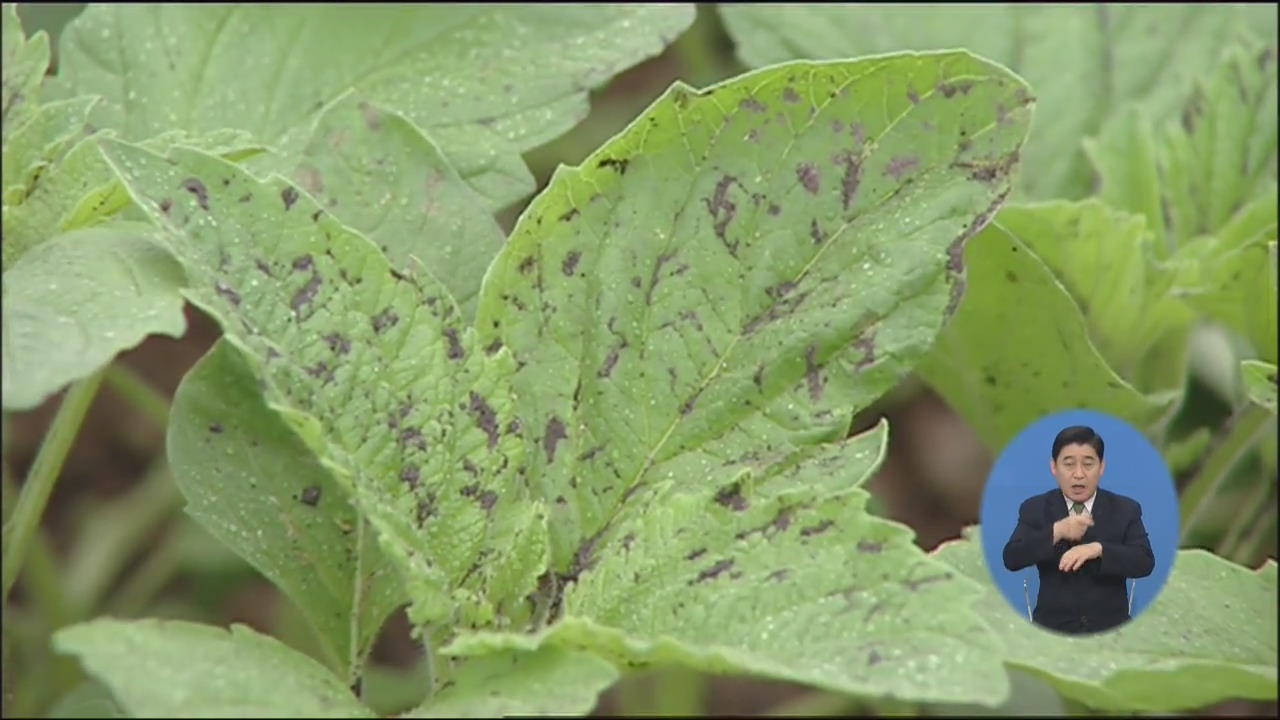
(1057, 505)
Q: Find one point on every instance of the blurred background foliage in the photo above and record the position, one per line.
(114, 539)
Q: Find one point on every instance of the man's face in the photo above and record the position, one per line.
(1077, 469)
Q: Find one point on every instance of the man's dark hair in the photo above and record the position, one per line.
(1077, 435)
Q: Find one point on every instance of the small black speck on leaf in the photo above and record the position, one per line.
(311, 495)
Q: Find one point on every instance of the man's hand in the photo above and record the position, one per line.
(1071, 527)
(1077, 556)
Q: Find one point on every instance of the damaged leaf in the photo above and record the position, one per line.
(256, 487)
(358, 361)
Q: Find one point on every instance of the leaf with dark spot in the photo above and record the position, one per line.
(807, 174)
(197, 188)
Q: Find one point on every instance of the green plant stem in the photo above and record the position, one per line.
(41, 579)
(132, 387)
(115, 533)
(1248, 552)
(1243, 430)
(141, 587)
(44, 473)
(1254, 507)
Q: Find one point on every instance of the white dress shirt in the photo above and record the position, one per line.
(1088, 504)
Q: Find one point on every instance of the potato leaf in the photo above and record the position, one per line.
(172, 668)
(549, 681)
(488, 82)
(802, 253)
(1210, 635)
(253, 484)
(373, 368)
(73, 303)
(25, 61)
(1019, 348)
(690, 359)
(1086, 61)
(1260, 382)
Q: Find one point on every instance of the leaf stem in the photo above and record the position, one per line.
(1242, 431)
(1248, 551)
(132, 387)
(357, 597)
(1255, 507)
(41, 579)
(35, 493)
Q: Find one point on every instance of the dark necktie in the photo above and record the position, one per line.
(1077, 508)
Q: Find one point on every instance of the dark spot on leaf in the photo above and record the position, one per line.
(812, 373)
(774, 209)
(913, 96)
(289, 195)
(306, 294)
(570, 262)
(195, 187)
(816, 529)
(758, 378)
(610, 360)
(663, 259)
(815, 232)
(569, 215)
(383, 320)
(337, 343)
(866, 342)
(636, 281)
(470, 467)
(618, 164)
(455, 351)
(753, 105)
(372, 120)
(722, 209)
(873, 658)
(486, 418)
(165, 204)
(311, 495)
(246, 197)
(487, 499)
(590, 453)
(696, 554)
(852, 177)
(900, 165)
(807, 174)
(216, 428)
(790, 95)
(555, 432)
(869, 546)
(225, 291)
(493, 347)
(627, 540)
(778, 575)
(731, 497)
(526, 264)
(426, 508)
(780, 290)
(412, 435)
(687, 406)
(320, 370)
(303, 262)
(914, 585)
(409, 474)
(949, 89)
(711, 572)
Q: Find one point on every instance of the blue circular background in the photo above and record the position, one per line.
(1134, 468)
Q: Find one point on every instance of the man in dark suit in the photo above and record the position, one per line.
(1084, 541)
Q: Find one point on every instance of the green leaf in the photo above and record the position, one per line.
(371, 367)
(488, 82)
(549, 681)
(1260, 382)
(1018, 348)
(1086, 61)
(692, 350)
(742, 269)
(39, 142)
(1235, 286)
(75, 302)
(25, 61)
(171, 668)
(252, 483)
(1207, 168)
(91, 700)
(781, 574)
(1209, 636)
(1106, 261)
(383, 178)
